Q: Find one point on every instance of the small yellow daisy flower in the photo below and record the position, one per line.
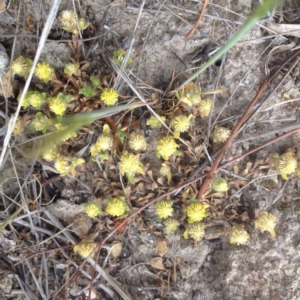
(196, 231)
(137, 141)
(221, 134)
(285, 164)
(93, 209)
(181, 124)
(67, 18)
(85, 248)
(171, 225)
(41, 122)
(164, 209)
(44, 71)
(130, 164)
(104, 142)
(57, 106)
(266, 222)
(117, 207)
(19, 66)
(205, 107)
(50, 153)
(109, 96)
(238, 235)
(191, 94)
(165, 170)
(166, 147)
(62, 165)
(196, 212)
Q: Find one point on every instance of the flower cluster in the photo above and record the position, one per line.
(205, 107)
(41, 122)
(117, 207)
(181, 124)
(44, 71)
(191, 94)
(171, 225)
(164, 209)
(21, 66)
(266, 222)
(109, 96)
(130, 164)
(34, 99)
(221, 134)
(69, 21)
(93, 209)
(58, 104)
(285, 164)
(50, 153)
(85, 248)
(195, 231)
(238, 235)
(196, 212)
(167, 147)
(137, 141)
(65, 165)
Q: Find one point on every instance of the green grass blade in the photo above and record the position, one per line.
(74, 123)
(259, 13)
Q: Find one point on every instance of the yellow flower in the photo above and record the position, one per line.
(181, 124)
(137, 141)
(153, 122)
(196, 231)
(34, 98)
(58, 106)
(62, 165)
(82, 23)
(130, 165)
(166, 147)
(205, 107)
(191, 94)
(117, 207)
(104, 142)
(19, 126)
(164, 209)
(219, 184)
(74, 163)
(285, 164)
(109, 96)
(221, 134)
(85, 248)
(238, 235)
(19, 66)
(41, 122)
(171, 225)
(196, 212)
(67, 18)
(71, 69)
(266, 222)
(93, 209)
(50, 153)
(44, 72)
(165, 170)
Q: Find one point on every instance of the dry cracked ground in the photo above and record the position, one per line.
(36, 259)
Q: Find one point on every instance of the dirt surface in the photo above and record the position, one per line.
(153, 265)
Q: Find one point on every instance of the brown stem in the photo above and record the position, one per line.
(191, 32)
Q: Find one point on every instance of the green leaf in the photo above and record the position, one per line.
(65, 98)
(87, 91)
(95, 82)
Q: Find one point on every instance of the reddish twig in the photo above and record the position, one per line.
(237, 128)
(191, 32)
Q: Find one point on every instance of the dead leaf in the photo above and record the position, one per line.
(162, 248)
(157, 263)
(117, 248)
